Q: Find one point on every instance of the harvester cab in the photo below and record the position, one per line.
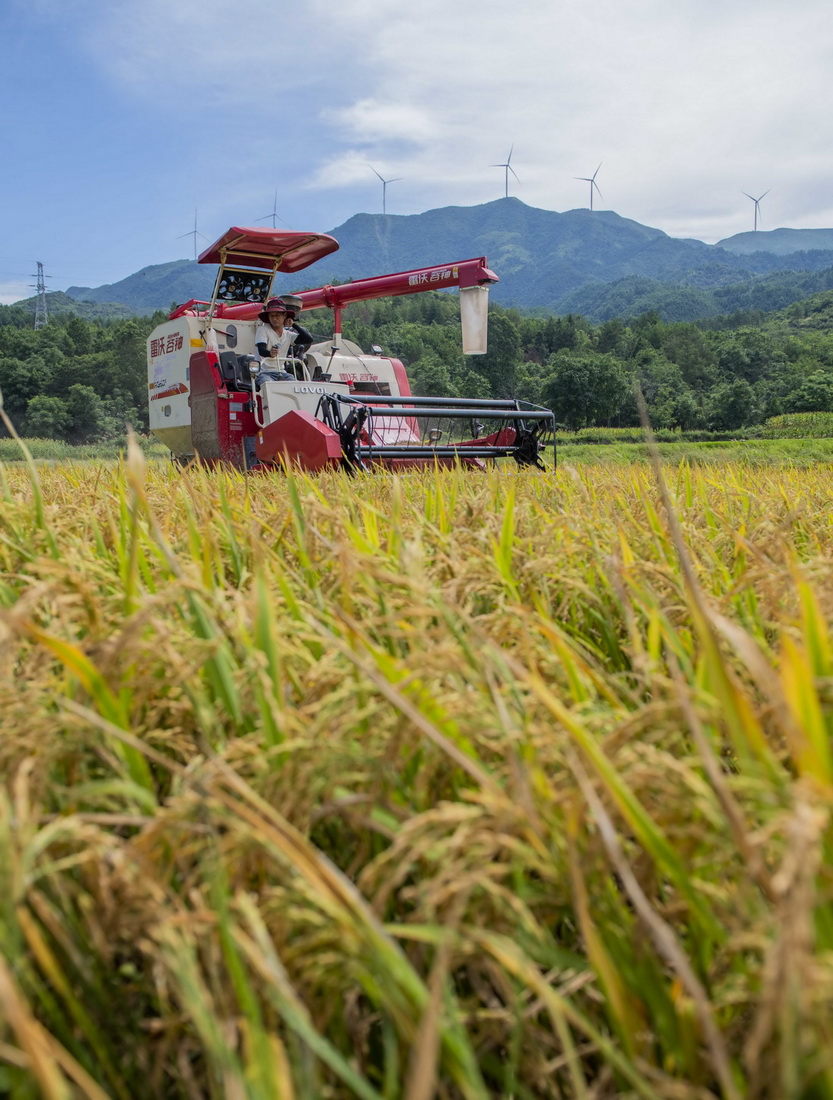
(212, 397)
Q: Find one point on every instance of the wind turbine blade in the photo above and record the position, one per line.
(395, 179)
(275, 217)
(597, 171)
(514, 173)
(598, 191)
(748, 195)
(765, 194)
(511, 150)
(375, 173)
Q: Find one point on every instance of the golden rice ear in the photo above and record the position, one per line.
(427, 782)
(136, 465)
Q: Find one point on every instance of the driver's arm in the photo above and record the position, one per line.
(303, 340)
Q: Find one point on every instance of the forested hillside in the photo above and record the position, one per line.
(692, 302)
(720, 378)
(74, 379)
(81, 380)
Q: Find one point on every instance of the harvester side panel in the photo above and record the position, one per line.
(168, 352)
(209, 415)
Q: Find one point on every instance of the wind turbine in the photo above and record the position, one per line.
(384, 185)
(757, 203)
(193, 233)
(274, 215)
(507, 169)
(592, 181)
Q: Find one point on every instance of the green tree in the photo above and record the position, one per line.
(500, 361)
(731, 405)
(584, 389)
(80, 334)
(119, 411)
(405, 341)
(692, 351)
(815, 394)
(20, 381)
(430, 377)
(611, 336)
(472, 384)
(85, 414)
(95, 369)
(649, 327)
(529, 380)
(748, 354)
(128, 362)
(46, 418)
(687, 412)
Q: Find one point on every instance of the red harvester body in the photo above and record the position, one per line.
(212, 397)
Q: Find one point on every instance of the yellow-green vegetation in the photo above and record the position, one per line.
(56, 450)
(458, 785)
(746, 452)
(806, 425)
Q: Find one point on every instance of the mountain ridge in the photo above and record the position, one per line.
(545, 259)
(779, 242)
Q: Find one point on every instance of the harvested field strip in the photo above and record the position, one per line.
(461, 785)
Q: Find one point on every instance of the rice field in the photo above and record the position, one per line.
(443, 785)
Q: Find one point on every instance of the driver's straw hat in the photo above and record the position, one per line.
(273, 306)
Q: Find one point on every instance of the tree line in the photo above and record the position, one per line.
(74, 379)
(81, 380)
(717, 375)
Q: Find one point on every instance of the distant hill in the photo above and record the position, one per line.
(681, 302)
(543, 257)
(58, 302)
(153, 288)
(779, 242)
(598, 263)
(539, 255)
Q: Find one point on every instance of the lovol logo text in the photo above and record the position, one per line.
(308, 389)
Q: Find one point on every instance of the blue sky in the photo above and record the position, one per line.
(120, 120)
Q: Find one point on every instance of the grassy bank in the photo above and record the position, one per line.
(455, 785)
(747, 452)
(581, 448)
(55, 450)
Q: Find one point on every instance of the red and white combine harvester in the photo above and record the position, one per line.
(212, 397)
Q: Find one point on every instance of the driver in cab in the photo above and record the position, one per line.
(278, 337)
(273, 338)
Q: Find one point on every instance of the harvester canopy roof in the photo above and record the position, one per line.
(260, 248)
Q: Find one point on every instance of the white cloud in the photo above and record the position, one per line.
(371, 120)
(14, 291)
(686, 105)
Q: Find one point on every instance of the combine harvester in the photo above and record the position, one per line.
(212, 398)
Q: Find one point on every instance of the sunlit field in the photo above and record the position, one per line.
(466, 785)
